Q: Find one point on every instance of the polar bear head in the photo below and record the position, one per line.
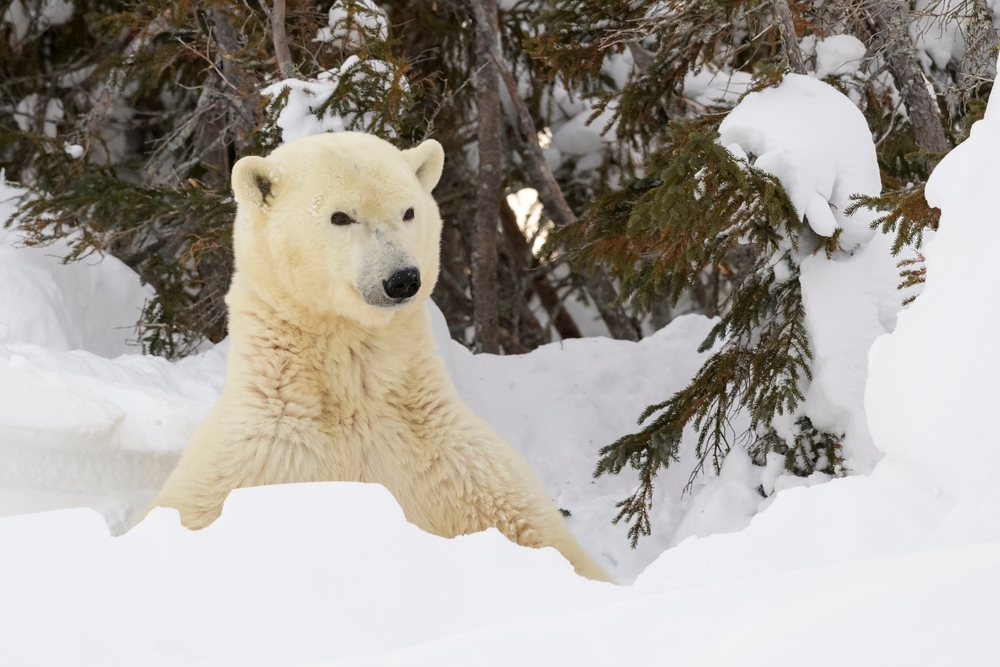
(340, 224)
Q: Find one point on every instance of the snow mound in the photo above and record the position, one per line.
(89, 305)
(331, 573)
(933, 383)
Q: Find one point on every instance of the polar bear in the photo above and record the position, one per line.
(332, 373)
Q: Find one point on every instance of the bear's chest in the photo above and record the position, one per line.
(356, 441)
(351, 421)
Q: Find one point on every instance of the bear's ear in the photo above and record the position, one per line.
(251, 184)
(427, 161)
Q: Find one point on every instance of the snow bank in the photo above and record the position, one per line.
(933, 385)
(90, 305)
(332, 574)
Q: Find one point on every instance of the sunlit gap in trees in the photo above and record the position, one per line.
(528, 210)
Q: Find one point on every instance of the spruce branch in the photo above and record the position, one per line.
(907, 214)
(698, 205)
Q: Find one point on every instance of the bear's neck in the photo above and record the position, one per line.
(336, 356)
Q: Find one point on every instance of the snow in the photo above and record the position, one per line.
(297, 118)
(92, 305)
(332, 574)
(708, 87)
(933, 382)
(581, 136)
(897, 565)
(44, 14)
(938, 33)
(342, 30)
(75, 151)
(818, 144)
(838, 55)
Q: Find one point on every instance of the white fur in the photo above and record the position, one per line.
(323, 385)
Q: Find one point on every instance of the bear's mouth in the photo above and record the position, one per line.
(378, 299)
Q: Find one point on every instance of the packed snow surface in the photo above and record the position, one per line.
(899, 566)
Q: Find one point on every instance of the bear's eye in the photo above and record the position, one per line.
(408, 215)
(340, 219)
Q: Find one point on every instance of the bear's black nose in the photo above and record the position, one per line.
(402, 284)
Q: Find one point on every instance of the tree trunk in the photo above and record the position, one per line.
(887, 29)
(281, 52)
(981, 46)
(598, 285)
(789, 39)
(239, 89)
(484, 251)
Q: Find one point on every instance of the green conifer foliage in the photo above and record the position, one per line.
(161, 99)
(698, 208)
(696, 216)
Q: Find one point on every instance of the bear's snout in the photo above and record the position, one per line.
(402, 284)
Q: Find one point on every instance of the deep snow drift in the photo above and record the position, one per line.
(896, 567)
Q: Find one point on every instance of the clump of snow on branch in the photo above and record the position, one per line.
(304, 107)
(40, 15)
(347, 26)
(816, 141)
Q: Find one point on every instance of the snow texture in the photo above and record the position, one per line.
(817, 142)
(933, 382)
(92, 305)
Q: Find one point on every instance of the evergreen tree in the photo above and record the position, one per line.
(125, 120)
(690, 220)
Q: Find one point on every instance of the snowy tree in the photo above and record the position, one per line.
(701, 222)
(125, 120)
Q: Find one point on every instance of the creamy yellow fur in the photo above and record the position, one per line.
(320, 385)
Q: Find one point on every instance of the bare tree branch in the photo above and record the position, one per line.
(598, 285)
